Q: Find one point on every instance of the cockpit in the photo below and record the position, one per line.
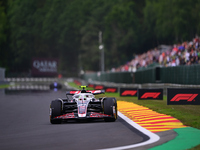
(83, 96)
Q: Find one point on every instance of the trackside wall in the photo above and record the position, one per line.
(175, 75)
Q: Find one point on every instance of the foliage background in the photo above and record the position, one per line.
(68, 30)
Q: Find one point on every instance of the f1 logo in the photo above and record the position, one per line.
(187, 97)
(91, 85)
(129, 92)
(99, 87)
(112, 90)
(150, 95)
(183, 96)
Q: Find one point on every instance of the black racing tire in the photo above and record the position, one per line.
(110, 108)
(56, 110)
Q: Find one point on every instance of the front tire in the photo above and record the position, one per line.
(110, 108)
(56, 110)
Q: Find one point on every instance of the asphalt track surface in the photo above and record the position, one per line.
(25, 125)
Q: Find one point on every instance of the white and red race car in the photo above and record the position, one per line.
(83, 105)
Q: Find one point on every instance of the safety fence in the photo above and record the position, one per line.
(176, 75)
(31, 79)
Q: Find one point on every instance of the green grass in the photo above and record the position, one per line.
(4, 86)
(189, 115)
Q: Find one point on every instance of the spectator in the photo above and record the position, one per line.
(187, 53)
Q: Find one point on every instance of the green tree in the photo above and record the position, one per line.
(68, 30)
(3, 35)
(94, 23)
(21, 20)
(122, 32)
(170, 21)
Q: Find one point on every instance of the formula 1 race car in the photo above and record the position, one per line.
(55, 85)
(83, 105)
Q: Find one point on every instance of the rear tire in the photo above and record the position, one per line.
(56, 110)
(110, 108)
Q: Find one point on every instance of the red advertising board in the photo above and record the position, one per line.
(91, 85)
(44, 67)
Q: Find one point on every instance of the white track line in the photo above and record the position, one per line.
(153, 137)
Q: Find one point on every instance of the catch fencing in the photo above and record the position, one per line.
(189, 75)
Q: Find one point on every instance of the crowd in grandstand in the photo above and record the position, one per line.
(186, 53)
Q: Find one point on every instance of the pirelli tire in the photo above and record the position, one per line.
(55, 110)
(110, 108)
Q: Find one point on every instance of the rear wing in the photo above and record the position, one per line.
(94, 92)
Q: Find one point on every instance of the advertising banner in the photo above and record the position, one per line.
(77, 82)
(128, 91)
(98, 87)
(111, 89)
(44, 67)
(183, 96)
(153, 94)
(91, 85)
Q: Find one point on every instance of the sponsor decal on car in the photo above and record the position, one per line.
(82, 110)
(66, 116)
(95, 91)
(98, 115)
(75, 92)
(91, 91)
